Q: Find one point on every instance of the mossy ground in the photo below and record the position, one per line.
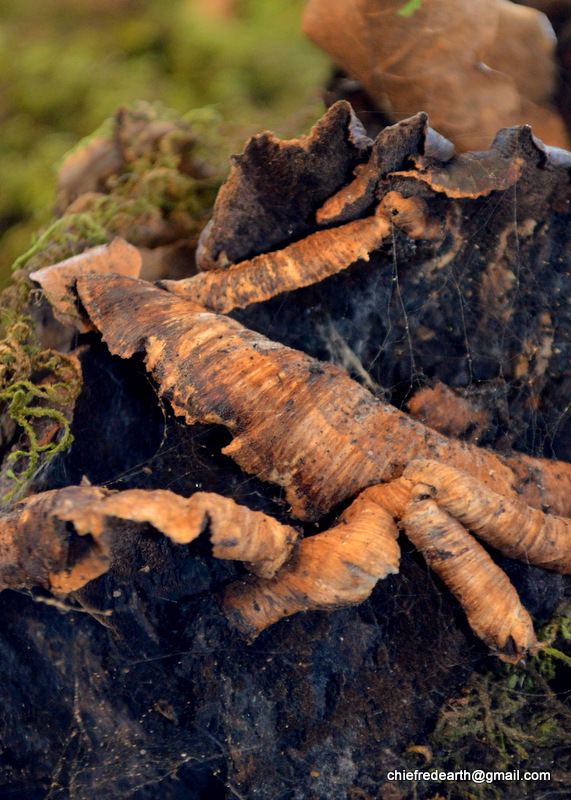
(65, 67)
(163, 185)
(508, 718)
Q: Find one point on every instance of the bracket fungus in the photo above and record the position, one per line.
(305, 425)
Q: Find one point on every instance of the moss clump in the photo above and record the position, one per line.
(147, 175)
(508, 718)
(27, 401)
(36, 384)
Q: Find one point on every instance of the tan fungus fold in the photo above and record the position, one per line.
(302, 263)
(506, 523)
(489, 600)
(36, 548)
(331, 570)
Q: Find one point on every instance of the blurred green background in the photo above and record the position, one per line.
(66, 65)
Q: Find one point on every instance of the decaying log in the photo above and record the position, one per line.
(296, 422)
(469, 249)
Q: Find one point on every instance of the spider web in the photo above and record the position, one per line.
(484, 315)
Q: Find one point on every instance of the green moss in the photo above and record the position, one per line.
(60, 240)
(409, 7)
(162, 185)
(64, 67)
(510, 717)
(155, 185)
(22, 399)
(34, 383)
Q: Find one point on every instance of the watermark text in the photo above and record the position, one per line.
(471, 775)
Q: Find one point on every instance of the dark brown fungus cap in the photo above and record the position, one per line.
(472, 175)
(391, 149)
(275, 187)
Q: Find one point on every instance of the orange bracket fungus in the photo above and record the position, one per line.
(313, 210)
